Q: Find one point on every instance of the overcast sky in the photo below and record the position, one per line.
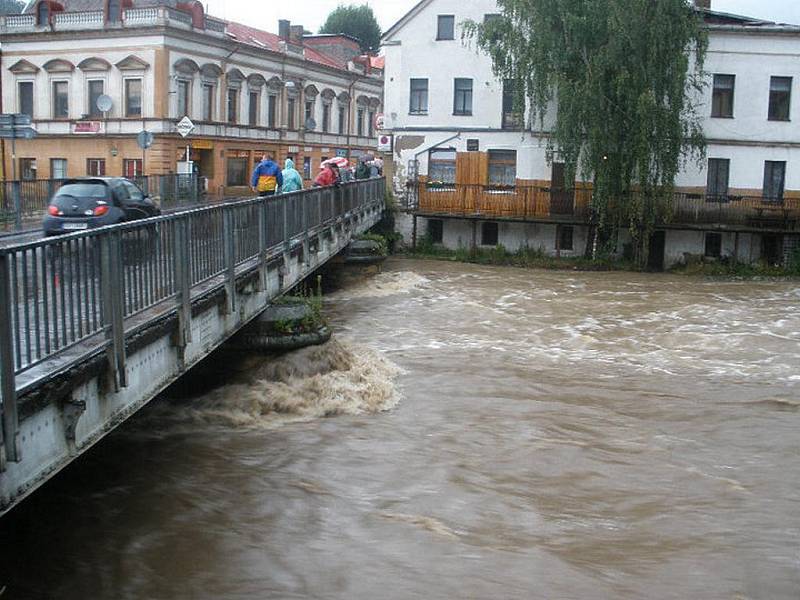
(312, 13)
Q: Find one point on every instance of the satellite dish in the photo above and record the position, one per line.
(311, 124)
(104, 103)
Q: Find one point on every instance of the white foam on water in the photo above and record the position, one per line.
(382, 285)
(339, 378)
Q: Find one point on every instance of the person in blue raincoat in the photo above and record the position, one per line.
(292, 182)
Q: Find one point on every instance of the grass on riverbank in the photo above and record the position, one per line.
(537, 259)
(527, 258)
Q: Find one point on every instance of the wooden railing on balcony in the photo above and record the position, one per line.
(536, 202)
(520, 202)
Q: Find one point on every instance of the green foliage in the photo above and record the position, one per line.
(11, 7)
(379, 239)
(626, 75)
(529, 258)
(356, 21)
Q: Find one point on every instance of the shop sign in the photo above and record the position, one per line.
(202, 144)
(87, 127)
(341, 152)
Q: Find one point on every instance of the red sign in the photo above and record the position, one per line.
(87, 127)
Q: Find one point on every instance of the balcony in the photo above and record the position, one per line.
(536, 203)
(131, 18)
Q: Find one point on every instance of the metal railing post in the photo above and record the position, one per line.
(113, 291)
(10, 434)
(183, 281)
(230, 259)
(16, 193)
(304, 198)
(262, 244)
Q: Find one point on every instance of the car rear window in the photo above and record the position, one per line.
(83, 190)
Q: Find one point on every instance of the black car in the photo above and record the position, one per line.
(91, 202)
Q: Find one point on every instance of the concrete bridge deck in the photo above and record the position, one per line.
(95, 324)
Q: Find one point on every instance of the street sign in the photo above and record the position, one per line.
(18, 120)
(380, 122)
(19, 133)
(185, 126)
(385, 143)
(145, 139)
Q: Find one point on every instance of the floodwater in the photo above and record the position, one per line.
(472, 432)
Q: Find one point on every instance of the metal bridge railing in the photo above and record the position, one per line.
(57, 294)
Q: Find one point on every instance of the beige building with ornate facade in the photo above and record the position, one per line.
(247, 91)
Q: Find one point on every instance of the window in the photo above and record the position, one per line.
(272, 110)
(713, 245)
(237, 170)
(446, 29)
(113, 10)
(462, 97)
(370, 124)
(442, 165)
(133, 97)
(419, 97)
(291, 109)
(60, 100)
(503, 167)
(780, 96)
(183, 98)
(489, 233)
(25, 105)
(774, 179)
(309, 114)
(722, 99)
(360, 121)
(511, 119)
(96, 167)
(233, 105)
(43, 13)
(133, 191)
(307, 167)
(565, 235)
(132, 167)
(27, 168)
(95, 91)
(208, 102)
(326, 118)
(342, 120)
(58, 168)
(436, 230)
(717, 184)
(253, 108)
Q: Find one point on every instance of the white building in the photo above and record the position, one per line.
(453, 123)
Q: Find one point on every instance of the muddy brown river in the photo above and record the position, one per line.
(471, 432)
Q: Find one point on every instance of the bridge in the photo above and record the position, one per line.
(95, 324)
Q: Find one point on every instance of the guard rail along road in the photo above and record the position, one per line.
(95, 324)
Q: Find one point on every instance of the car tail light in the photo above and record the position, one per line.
(99, 211)
(53, 211)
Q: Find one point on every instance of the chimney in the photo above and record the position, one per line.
(296, 34)
(706, 4)
(284, 27)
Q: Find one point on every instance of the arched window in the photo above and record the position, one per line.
(114, 10)
(43, 13)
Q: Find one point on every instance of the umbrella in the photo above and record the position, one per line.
(339, 161)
